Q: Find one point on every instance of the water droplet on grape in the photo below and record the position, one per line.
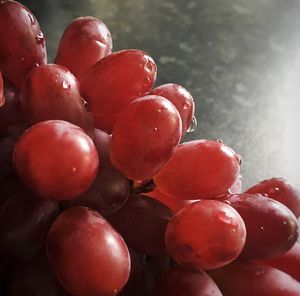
(39, 37)
(284, 222)
(291, 237)
(224, 217)
(31, 18)
(220, 141)
(239, 159)
(74, 169)
(66, 84)
(37, 64)
(262, 228)
(227, 202)
(186, 106)
(155, 130)
(149, 65)
(193, 125)
(260, 272)
(22, 59)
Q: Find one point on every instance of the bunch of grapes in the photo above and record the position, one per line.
(98, 196)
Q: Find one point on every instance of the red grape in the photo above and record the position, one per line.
(11, 113)
(56, 159)
(249, 279)
(173, 203)
(2, 98)
(206, 234)
(34, 278)
(199, 169)
(279, 189)
(289, 262)
(178, 281)
(142, 222)
(181, 99)
(115, 81)
(93, 42)
(272, 229)
(52, 92)
(155, 131)
(22, 43)
(24, 222)
(87, 255)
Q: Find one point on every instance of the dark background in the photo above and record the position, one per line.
(240, 59)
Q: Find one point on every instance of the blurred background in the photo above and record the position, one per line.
(240, 59)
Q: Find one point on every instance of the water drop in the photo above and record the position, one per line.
(147, 80)
(193, 125)
(239, 159)
(220, 141)
(22, 59)
(37, 64)
(31, 18)
(224, 217)
(227, 202)
(186, 106)
(66, 84)
(284, 222)
(39, 37)
(155, 130)
(260, 272)
(149, 65)
(291, 237)
(262, 228)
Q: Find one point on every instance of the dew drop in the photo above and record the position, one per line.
(291, 237)
(155, 130)
(193, 125)
(66, 84)
(147, 81)
(239, 159)
(227, 202)
(186, 106)
(284, 222)
(220, 141)
(39, 37)
(22, 59)
(37, 64)
(224, 217)
(149, 65)
(262, 228)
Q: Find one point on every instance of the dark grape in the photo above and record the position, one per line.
(249, 279)
(87, 255)
(206, 234)
(181, 99)
(281, 190)
(115, 81)
(34, 278)
(22, 43)
(2, 98)
(56, 159)
(93, 42)
(178, 281)
(272, 229)
(24, 222)
(289, 262)
(52, 92)
(199, 169)
(11, 113)
(142, 222)
(155, 130)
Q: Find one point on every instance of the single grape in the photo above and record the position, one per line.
(56, 159)
(272, 229)
(93, 42)
(87, 255)
(206, 234)
(34, 278)
(24, 222)
(181, 99)
(142, 222)
(289, 262)
(173, 203)
(178, 281)
(279, 189)
(11, 113)
(22, 43)
(52, 92)
(155, 131)
(2, 98)
(199, 169)
(249, 279)
(115, 81)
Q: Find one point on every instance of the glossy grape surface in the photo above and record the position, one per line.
(181, 99)
(289, 262)
(115, 81)
(142, 222)
(22, 43)
(178, 281)
(2, 98)
(24, 222)
(155, 131)
(279, 189)
(87, 255)
(93, 42)
(34, 278)
(199, 169)
(206, 234)
(173, 203)
(56, 159)
(272, 229)
(52, 92)
(249, 279)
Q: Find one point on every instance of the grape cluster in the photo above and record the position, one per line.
(101, 196)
